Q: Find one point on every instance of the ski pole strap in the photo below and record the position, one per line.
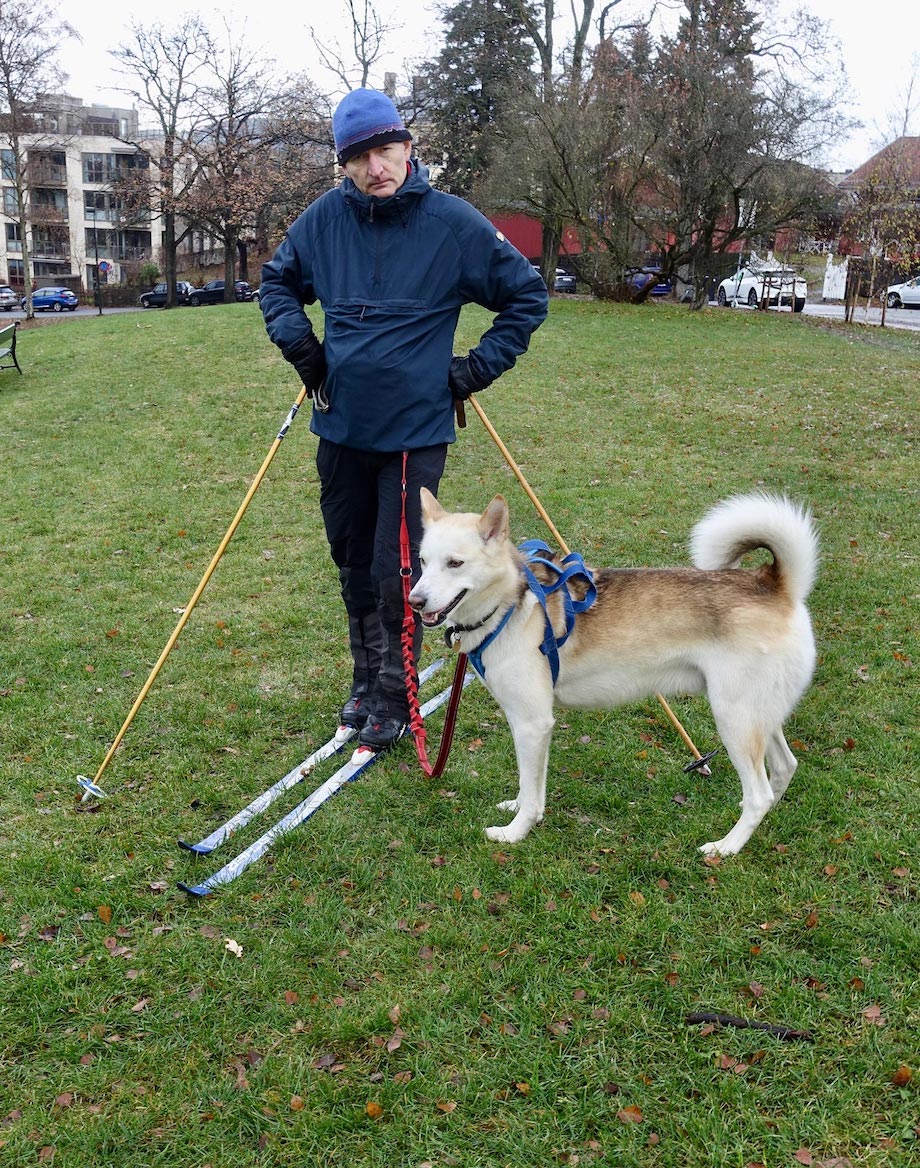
(416, 723)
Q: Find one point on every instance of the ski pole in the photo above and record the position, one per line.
(91, 786)
(700, 761)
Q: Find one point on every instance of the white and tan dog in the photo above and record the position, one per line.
(741, 636)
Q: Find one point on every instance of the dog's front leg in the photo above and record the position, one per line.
(532, 731)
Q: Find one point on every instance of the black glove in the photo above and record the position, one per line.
(309, 359)
(462, 380)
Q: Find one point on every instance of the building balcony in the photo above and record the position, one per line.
(48, 213)
(50, 249)
(46, 174)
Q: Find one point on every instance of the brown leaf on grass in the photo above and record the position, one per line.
(394, 1013)
(394, 1042)
(374, 1110)
(291, 997)
(638, 899)
(64, 1100)
(802, 1156)
(446, 1105)
(811, 921)
(873, 1014)
(140, 1006)
(402, 1077)
(105, 913)
(902, 1076)
(297, 1103)
(630, 1114)
(46, 1153)
(49, 932)
(324, 1061)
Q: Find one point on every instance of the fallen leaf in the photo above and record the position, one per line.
(374, 1110)
(233, 947)
(630, 1114)
(291, 997)
(141, 1006)
(802, 1156)
(446, 1105)
(64, 1100)
(297, 1103)
(638, 899)
(902, 1076)
(873, 1014)
(394, 1013)
(105, 914)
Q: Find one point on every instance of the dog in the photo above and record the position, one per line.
(742, 636)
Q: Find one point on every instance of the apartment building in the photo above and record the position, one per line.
(77, 226)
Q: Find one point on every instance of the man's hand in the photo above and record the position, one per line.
(462, 380)
(309, 359)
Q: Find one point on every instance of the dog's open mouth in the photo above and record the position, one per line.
(431, 620)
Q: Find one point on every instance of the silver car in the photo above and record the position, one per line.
(906, 295)
(756, 286)
(8, 298)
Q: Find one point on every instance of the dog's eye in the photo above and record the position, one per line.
(455, 563)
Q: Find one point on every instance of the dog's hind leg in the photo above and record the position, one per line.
(532, 735)
(746, 750)
(781, 761)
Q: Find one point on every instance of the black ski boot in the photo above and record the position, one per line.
(365, 637)
(389, 714)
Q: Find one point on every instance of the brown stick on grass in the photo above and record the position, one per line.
(785, 1032)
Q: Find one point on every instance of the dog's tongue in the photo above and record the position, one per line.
(432, 619)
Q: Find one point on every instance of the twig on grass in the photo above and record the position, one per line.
(785, 1032)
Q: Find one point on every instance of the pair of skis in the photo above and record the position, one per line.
(359, 762)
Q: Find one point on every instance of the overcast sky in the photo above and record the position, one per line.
(881, 47)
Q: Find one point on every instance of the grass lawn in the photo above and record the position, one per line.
(399, 992)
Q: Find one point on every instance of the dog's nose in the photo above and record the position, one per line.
(417, 601)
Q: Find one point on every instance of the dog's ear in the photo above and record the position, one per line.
(431, 508)
(494, 520)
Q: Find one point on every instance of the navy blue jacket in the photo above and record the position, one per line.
(392, 275)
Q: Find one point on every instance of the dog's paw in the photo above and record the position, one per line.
(509, 805)
(512, 834)
(718, 848)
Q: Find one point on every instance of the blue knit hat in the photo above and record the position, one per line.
(363, 119)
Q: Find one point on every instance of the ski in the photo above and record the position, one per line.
(302, 771)
(361, 761)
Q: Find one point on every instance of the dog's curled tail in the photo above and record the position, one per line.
(744, 523)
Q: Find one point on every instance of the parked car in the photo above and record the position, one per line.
(564, 281)
(256, 294)
(906, 295)
(156, 297)
(752, 286)
(8, 298)
(640, 278)
(213, 292)
(51, 299)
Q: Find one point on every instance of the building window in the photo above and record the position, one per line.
(94, 168)
(8, 165)
(13, 237)
(10, 206)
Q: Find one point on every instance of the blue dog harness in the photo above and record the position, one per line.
(572, 567)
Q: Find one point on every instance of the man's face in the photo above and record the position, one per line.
(380, 171)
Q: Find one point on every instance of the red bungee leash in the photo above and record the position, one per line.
(416, 725)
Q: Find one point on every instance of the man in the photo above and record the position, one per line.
(391, 261)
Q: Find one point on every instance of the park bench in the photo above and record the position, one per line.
(8, 346)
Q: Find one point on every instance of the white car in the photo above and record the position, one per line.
(906, 295)
(8, 298)
(754, 286)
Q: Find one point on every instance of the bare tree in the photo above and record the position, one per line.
(28, 72)
(233, 180)
(166, 67)
(368, 35)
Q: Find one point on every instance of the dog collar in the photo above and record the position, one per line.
(453, 630)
